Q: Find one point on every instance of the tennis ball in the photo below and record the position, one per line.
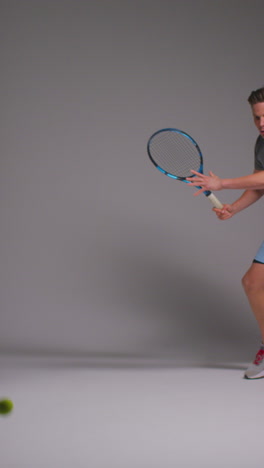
(6, 406)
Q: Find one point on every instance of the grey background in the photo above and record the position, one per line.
(101, 254)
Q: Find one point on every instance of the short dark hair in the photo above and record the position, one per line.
(256, 96)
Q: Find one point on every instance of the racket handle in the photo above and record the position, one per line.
(214, 200)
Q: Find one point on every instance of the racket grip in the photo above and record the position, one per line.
(214, 200)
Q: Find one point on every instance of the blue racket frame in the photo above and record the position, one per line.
(173, 176)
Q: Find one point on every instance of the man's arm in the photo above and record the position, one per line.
(253, 185)
(253, 181)
(247, 198)
(212, 182)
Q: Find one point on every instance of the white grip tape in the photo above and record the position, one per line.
(214, 200)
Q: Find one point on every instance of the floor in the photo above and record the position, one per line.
(76, 414)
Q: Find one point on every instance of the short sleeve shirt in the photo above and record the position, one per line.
(259, 154)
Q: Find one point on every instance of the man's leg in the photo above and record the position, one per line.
(253, 283)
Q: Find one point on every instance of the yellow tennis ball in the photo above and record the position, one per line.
(6, 406)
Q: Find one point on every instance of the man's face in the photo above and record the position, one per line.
(258, 116)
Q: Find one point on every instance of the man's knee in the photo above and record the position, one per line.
(246, 281)
(252, 282)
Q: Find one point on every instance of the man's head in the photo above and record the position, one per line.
(256, 100)
(256, 96)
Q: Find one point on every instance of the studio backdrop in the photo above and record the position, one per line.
(101, 255)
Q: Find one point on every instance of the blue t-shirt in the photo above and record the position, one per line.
(259, 154)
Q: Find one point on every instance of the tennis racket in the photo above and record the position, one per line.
(175, 153)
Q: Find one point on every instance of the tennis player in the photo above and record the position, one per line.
(253, 186)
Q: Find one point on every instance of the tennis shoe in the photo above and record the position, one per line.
(256, 369)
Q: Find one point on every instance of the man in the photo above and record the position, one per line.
(253, 184)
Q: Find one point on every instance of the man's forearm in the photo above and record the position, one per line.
(250, 182)
(247, 198)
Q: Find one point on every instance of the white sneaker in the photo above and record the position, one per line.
(256, 369)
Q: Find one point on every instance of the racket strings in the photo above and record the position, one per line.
(175, 153)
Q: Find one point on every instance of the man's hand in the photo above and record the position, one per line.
(211, 182)
(224, 213)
